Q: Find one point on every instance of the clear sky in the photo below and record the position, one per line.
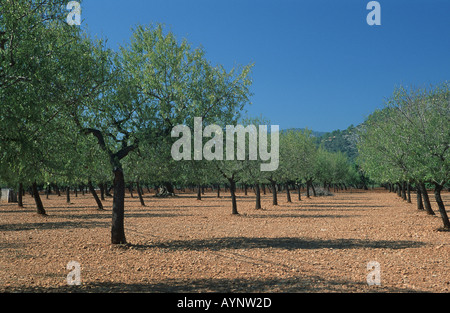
(318, 64)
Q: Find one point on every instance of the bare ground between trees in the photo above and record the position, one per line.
(181, 244)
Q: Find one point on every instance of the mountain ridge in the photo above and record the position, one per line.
(336, 141)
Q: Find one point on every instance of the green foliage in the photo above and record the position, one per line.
(298, 154)
(34, 42)
(409, 139)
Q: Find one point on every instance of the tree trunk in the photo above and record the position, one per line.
(233, 196)
(314, 190)
(68, 194)
(130, 188)
(258, 197)
(218, 191)
(94, 194)
(426, 199)
(118, 209)
(76, 192)
(107, 190)
(419, 199)
(404, 190)
(307, 189)
(299, 193)
(288, 194)
(274, 192)
(141, 199)
(102, 191)
(199, 192)
(408, 192)
(20, 196)
(437, 194)
(37, 199)
(399, 190)
(264, 189)
(169, 187)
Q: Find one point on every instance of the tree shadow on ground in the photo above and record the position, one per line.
(186, 206)
(84, 221)
(306, 284)
(271, 215)
(306, 208)
(53, 225)
(71, 208)
(285, 243)
(341, 205)
(153, 215)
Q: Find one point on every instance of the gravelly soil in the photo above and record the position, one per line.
(180, 244)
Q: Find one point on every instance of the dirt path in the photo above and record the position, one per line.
(183, 245)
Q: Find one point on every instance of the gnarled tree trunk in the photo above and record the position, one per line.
(233, 196)
(118, 209)
(308, 183)
(199, 192)
(426, 199)
(68, 194)
(258, 197)
(141, 199)
(94, 194)
(20, 196)
(274, 192)
(37, 200)
(437, 194)
(288, 194)
(102, 191)
(408, 192)
(419, 199)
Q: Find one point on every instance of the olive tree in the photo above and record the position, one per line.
(155, 83)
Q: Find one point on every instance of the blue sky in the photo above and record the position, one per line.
(318, 64)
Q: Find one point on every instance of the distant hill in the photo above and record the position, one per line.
(337, 140)
(313, 132)
(342, 140)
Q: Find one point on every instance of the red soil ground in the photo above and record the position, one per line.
(180, 244)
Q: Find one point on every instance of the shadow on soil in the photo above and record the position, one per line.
(216, 244)
(85, 221)
(298, 216)
(53, 225)
(308, 284)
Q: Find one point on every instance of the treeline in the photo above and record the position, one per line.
(302, 164)
(406, 145)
